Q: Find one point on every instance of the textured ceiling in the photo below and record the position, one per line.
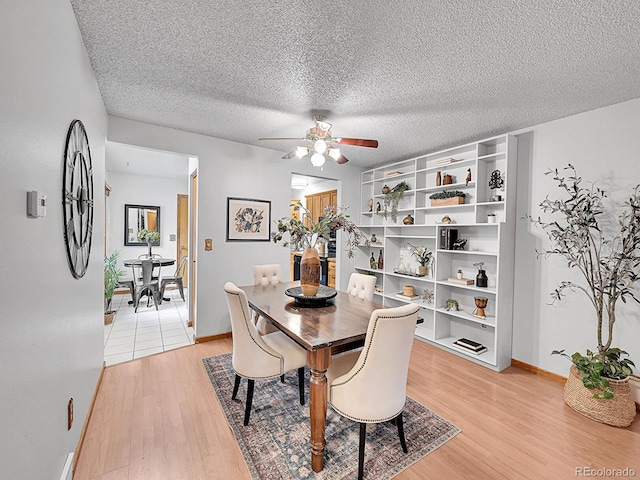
(417, 75)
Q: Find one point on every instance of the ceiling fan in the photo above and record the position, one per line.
(321, 142)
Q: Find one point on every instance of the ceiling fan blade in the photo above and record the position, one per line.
(356, 142)
(282, 138)
(289, 155)
(342, 159)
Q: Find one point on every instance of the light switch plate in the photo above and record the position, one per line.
(208, 244)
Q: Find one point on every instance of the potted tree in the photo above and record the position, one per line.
(609, 261)
(112, 277)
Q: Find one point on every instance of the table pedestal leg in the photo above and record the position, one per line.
(319, 361)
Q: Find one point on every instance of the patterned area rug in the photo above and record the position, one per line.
(276, 444)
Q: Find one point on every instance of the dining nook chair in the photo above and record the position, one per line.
(175, 279)
(144, 283)
(381, 367)
(266, 275)
(362, 286)
(258, 357)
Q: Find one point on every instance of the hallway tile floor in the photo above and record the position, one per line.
(134, 335)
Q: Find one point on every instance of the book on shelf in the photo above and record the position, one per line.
(469, 344)
(406, 297)
(462, 281)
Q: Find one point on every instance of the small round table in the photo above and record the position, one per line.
(157, 262)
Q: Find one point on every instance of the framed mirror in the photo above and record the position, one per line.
(140, 217)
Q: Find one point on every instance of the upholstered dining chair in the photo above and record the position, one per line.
(369, 386)
(144, 282)
(266, 275)
(361, 286)
(175, 279)
(258, 357)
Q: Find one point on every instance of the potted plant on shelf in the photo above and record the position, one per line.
(423, 256)
(447, 197)
(303, 237)
(609, 260)
(112, 277)
(392, 198)
(152, 237)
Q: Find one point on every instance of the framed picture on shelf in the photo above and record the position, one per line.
(248, 220)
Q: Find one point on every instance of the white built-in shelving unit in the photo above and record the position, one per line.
(489, 243)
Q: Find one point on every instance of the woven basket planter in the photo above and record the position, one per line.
(618, 411)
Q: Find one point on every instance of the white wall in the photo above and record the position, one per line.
(144, 190)
(603, 145)
(230, 169)
(51, 325)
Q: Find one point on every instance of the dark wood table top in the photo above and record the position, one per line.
(342, 323)
(157, 261)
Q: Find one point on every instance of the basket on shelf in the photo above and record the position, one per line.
(618, 411)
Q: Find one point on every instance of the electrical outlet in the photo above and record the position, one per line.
(70, 414)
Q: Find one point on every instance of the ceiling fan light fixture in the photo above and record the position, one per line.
(334, 153)
(320, 146)
(301, 151)
(317, 159)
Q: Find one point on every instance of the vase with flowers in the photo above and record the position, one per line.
(423, 256)
(304, 235)
(152, 237)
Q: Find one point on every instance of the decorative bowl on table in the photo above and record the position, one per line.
(320, 299)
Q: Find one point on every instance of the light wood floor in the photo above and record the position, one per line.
(158, 418)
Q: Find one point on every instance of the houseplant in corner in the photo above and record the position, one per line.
(609, 260)
(303, 236)
(112, 277)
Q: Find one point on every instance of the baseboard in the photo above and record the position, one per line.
(67, 471)
(211, 338)
(88, 417)
(634, 381)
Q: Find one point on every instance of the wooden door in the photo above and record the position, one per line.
(334, 198)
(183, 232)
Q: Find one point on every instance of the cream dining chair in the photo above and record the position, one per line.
(266, 275)
(362, 286)
(259, 357)
(369, 386)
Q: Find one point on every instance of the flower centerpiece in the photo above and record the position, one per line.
(152, 237)
(607, 255)
(304, 235)
(423, 256)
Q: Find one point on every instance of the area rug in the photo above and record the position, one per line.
(276, 444)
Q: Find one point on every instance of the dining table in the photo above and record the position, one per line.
(322, 330)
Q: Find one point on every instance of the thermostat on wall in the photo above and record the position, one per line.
(36, 204)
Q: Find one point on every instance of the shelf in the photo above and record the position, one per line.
(447, 207)
(488, 320)
(461, 163)
(413, 277)
(446, 187)
(491, 156)
(369, 269)
(491, 204)
(487, 356)
(469, 252)
(417, 301)
(426, 237)
(489, 290)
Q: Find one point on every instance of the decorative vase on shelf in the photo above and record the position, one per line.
(481, 279)
(438, 179)
(401, 268)
(310, 272)
(370, 203)
(372, 261)
(380, 261)
(408, 220)
(481, 304)
(385, 189)
(447, 179)
(374, 239)
(423, 270)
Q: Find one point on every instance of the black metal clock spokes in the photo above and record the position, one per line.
(77, 198)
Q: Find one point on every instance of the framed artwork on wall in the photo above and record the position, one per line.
(248, 220)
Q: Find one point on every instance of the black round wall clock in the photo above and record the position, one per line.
(77, 198)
